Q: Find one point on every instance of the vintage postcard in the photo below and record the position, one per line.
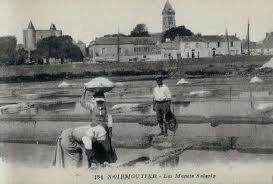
(136, 91)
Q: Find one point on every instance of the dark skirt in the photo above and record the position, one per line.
(103, 151)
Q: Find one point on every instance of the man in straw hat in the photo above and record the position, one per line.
(161, 103)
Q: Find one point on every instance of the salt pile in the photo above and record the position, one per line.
(64, 85)
(264, 107)
(119, 84)
(99, 84)
(256, 80)
(124, 107)
(200, 93)
(182, 81)
(14, 108)
(269, 64)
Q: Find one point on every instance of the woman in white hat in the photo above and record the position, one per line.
(94, 139)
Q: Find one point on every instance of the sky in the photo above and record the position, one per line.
(87, 19)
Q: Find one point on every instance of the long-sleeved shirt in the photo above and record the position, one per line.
(91, 105)
(161, 93)
(98, 132)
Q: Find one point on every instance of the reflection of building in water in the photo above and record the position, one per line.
(31, 36)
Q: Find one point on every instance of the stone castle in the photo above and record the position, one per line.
(31, 36)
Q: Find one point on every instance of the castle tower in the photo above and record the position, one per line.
(53, 30)
(52, 27)
(168, 17)
(29, 36)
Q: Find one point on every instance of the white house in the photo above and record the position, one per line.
(209, 46)
(130, 49)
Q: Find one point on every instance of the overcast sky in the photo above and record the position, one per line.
(87, 19)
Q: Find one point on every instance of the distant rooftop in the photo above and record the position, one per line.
(208, 38)
(125, 40)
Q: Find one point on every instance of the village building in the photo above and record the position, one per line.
(171, 50)
(199, 46)
(153, 49)
(264, 47)
(130, 49)
(31, 36)
(209, 46)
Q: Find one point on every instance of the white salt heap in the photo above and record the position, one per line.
(255, 80)
(119, 84)
(264, 107)
(124, 107)
(64, 85)
(13, 108)
(201, 93)
(269, 64)
(182, 81)
(99, 83)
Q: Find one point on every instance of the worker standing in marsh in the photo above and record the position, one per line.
(161, 104)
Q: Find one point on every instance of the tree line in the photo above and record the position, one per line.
(61, 48)
(141, 30)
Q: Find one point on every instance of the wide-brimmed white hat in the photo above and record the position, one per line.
(98, 99)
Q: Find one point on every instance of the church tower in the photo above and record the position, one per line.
(168, 17)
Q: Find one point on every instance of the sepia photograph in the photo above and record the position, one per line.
(136, 91)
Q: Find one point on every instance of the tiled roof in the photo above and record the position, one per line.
(208, 38)
(124, 41)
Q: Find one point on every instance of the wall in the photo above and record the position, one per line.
(40, 34)
(205, 49)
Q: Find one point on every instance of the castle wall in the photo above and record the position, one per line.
(41, 34)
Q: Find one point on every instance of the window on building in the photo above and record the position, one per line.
(218, 44)
(207, 44)
(144, 56)
(192, 53)
(231, 44)
(197, 45)
(102, 51)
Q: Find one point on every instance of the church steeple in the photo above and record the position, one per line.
(168, 17)
(30, 25)
(168, 8)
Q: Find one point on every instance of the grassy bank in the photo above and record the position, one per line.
(188, 68)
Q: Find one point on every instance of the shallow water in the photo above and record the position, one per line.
(31, 164)
(206, 108)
